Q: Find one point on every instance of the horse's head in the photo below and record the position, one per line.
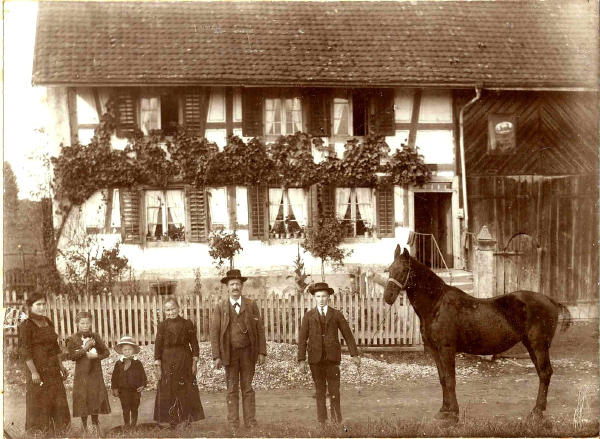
(399, 272)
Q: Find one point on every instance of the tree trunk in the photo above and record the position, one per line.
(322, 270)
(231, 263)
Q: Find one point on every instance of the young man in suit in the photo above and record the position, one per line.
(237, 337)
(319, 331)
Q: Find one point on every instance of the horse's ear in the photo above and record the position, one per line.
(405, 253)
(397, 252)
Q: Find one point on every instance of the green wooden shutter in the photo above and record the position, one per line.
(384, 120)
(319, 112)
(197, 207)
(126, 113)
(252, 112)
(130, 215)
(257, 212)
(195, 109)
(385, 211)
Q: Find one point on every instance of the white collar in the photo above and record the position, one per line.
(324, 309)
(122, 357)
(239, 301)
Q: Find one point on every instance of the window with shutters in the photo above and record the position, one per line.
(355, 207)
(288, 212)
(282, 116)
(165, 215)
(342, 117)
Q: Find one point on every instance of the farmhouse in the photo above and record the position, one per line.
(500, 98)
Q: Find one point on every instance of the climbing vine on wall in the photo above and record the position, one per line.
(156, 160)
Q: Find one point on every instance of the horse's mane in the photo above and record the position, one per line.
(427, 279)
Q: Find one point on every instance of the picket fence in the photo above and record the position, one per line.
(373, 322)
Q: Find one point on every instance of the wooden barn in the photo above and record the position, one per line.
(499, 97)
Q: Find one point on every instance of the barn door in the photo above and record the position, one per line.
(519, 265)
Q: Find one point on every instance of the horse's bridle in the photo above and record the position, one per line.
(398, 284)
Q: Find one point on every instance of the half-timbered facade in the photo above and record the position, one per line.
(334, 70)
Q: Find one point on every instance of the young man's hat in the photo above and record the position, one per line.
(127, 340)
(320, 286)
(233, 274)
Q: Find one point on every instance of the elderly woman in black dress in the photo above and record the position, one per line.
(46, 404)
(176, 363)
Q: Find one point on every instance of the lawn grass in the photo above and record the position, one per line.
(373, 427)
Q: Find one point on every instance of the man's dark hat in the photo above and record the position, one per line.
(34, 297)
(233, 274)
(320, 286)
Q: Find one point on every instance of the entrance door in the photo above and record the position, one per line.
(433, 218)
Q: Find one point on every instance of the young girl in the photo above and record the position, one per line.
(128, 380)
(87, 349)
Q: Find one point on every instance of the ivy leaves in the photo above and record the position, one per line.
(155, 160)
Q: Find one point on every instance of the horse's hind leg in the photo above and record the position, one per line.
(540, 356)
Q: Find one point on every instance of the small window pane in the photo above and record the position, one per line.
(175, 215)
(341, 113)
(150, 114)
(216, 108)
(86, 107)
(154, 204)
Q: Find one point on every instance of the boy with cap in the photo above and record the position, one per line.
(128, 380)
(319, 330)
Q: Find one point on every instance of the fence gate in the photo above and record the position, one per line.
(519, 265)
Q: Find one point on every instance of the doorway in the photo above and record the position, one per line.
(433, 217)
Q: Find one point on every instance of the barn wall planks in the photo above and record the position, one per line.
(560, 213)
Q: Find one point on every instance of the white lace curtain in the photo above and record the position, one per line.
(297, 199)
(218, 206)
(153, 204)
(275, 198)
(364, 200)
(342, 200)
(176, 206)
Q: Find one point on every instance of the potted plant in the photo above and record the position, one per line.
(279, 229)
(292, 227)
(368, 230)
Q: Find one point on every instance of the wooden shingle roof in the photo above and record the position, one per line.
(502, 44)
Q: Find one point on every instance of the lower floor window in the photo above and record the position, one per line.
(165, 215)
(355, 207)
(287, 212)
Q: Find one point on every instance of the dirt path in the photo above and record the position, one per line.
(504, 396)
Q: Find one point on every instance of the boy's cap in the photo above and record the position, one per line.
(127, 340)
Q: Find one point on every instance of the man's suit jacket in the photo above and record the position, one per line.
(310, 332)
(219, 335)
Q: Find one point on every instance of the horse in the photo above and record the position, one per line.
(452, 321)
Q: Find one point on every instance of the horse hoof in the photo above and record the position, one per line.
(447, 417)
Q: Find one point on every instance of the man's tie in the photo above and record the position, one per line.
(323, 311)
(236, 307)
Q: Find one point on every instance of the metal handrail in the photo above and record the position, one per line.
(435, 248)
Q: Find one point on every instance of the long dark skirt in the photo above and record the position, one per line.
(177, 394)
(47, 408)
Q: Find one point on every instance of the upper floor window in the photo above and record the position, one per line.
(165, 215)
(342, 121)
(288, 212)
(159, 112)
(355, 207)
(283, 116)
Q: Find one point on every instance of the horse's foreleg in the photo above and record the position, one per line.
(438, 364)
(447, 362)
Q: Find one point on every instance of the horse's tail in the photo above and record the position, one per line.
(564, 315)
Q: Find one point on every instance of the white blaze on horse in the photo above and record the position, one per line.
(453, 321)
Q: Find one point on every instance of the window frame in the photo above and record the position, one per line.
(353, 213)
(282, 98)
(164, 220)
(158, 93)
(286, 204)
(347, 96)
(217, 226)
